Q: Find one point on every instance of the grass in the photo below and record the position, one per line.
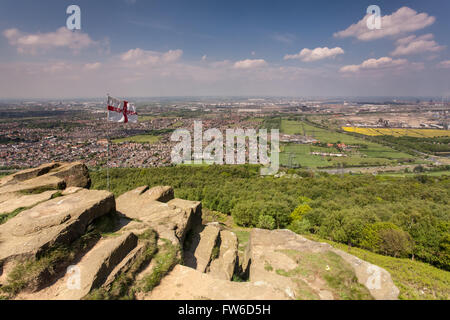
(243, 237)
(5, 217)
(141, 138)
(267, 266)
(415, 280)
(166, 258)
(214, 216)
(338, 275)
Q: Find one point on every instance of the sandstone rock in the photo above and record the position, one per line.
(223, 267)
(34, 185)
(74, 174)
(301, 267)
(162, 194)
(170, 220)
(70, 190)
(184, 283)
(60, 220)
(50, 176)
(142, 196)
(12, 201)
(376, 279)
(126, 263)
(198, 254)
(28, 173)
(91, 271)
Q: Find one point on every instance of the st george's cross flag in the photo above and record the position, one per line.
(121, 111)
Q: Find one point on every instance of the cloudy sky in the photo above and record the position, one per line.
(243, 47)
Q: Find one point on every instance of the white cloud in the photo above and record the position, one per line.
(250, 64)
(444, 64)
(308, 55)
(144, 57)
(402, 21)
(375, 64)
(204, 57)
(413, 45)
(34, 43)
(92, 66)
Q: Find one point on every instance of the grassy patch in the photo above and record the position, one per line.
(339, 276)
(5, 217)
(243, 237)
(36, 190)
(215, 253)
(166, 258)
(141, 138)
(267, 266)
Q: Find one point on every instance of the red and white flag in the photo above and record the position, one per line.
(121, 111)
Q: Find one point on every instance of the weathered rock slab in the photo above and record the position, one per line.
(14, 201)
(90, 272)
(202, 243)
(293, 263)
(171, 220)
(223, 267)
(51, 176)
(184, 283)
(60, 220)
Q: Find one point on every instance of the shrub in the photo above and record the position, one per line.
(386, 238)
(300, 226)
(266, 222)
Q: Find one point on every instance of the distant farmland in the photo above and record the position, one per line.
(363, 153)
(400, 132)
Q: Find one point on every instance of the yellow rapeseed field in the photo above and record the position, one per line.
(399, 132)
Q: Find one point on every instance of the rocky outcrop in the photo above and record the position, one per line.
(307, 269)
(52, 176)
(224, 266)
(200, 247)
(9, 202)
(184, 283)
(90, 272)
(57, 221)
(74, 174)
(48, 206)
(376, 279)
(171, 220)
(28, 174)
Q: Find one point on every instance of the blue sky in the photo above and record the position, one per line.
(190, 47)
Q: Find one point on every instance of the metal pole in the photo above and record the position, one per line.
(107, 166)
(107, 147)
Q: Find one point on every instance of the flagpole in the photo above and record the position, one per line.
(107, 146)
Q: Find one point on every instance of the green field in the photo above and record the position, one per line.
(141, 138)
(368, 153)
